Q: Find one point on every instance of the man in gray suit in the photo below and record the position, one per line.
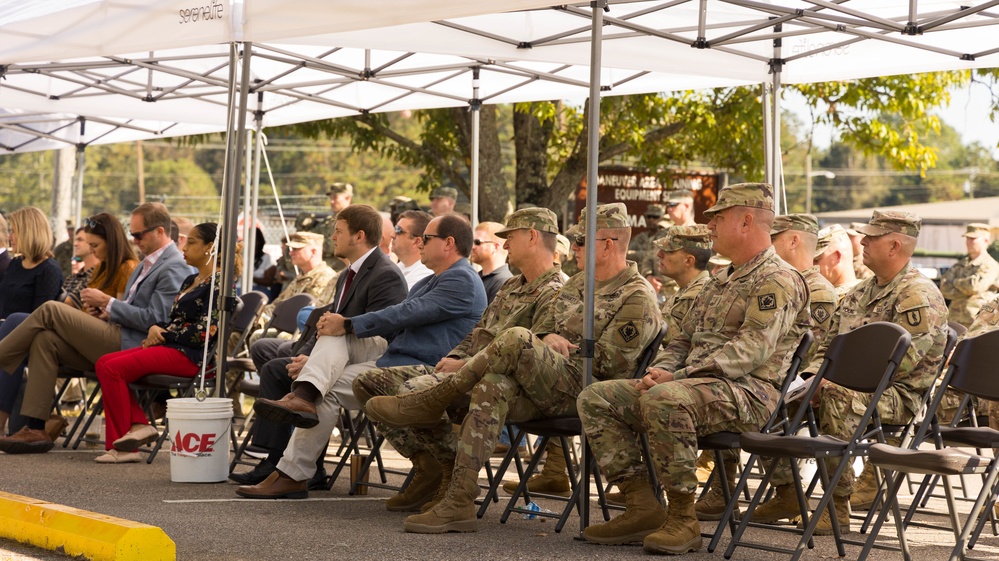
(58, 334)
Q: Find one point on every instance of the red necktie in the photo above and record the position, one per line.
(346, 287)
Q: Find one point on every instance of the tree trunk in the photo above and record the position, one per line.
(62, 192)
(530, 138)
(494, 194)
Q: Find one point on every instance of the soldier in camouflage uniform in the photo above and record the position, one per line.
(526, 375)
(971, 281)
(987, 320)
(643, 251)
(524, 301)
(834, 258)
(341, 195)
(898, 293)
(794, 237)
(680, 207)
(720, 373)
(683, 257)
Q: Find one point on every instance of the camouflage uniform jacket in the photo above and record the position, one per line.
(314, 282)
(822, 301)
(626, 318)
(743, 326)
(677, 306)
(910, 300)
(969, 284)
(845, 288)
(517, 304)
(986, 320)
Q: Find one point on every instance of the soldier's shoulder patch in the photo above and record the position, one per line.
(820, 314)
(914, 317)
(628, 331)
(767, 301)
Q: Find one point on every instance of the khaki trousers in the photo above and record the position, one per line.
(55, 334)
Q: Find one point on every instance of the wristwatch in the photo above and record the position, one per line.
(348, 326)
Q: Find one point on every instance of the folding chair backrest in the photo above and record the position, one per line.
(972, 366)
(310, 328)
(286, 313)
(780, 412)
(650, 351)
(957, 327)
(857, 359)
(251, 303)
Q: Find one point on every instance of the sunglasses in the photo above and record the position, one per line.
(480, 242)
(428, 237)
(399, 231)
(581, 240)
(93, 225)
(138, 235)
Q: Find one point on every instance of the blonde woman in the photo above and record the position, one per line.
(33, 276)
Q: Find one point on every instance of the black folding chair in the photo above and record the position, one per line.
(863, 360)
(971, 372)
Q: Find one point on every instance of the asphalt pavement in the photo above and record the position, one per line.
(208, 521)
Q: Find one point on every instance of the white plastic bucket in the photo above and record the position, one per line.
(199, 436)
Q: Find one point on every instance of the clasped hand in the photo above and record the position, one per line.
(653, 377)
(331, 324)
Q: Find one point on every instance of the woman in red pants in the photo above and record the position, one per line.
(175, 348)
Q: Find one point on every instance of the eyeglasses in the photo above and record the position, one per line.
(480, 242)
(138, 235)
(581, 240)
(672, 205)
(399, 231)
(428, 237)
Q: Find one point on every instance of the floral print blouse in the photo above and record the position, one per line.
(185, 330)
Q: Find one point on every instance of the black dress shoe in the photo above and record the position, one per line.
(254, 476)
(318, 481)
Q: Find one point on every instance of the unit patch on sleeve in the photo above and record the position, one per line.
(628, 331)
(767, 302)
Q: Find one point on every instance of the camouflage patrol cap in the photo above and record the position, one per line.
(753, 195)
(302, 239)
(718, 260)
(800, 222)
(655, 211)
(537, 218)
(888, 221)
(563, 246)
(338, 188)
(826, 236)
(439, 192)
(854, 229)
(685, 237)
(978, 230)
(463, 209)
(612, 215)
(680, 196)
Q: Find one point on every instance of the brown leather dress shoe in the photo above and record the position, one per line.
(276, 486)
(27, 441)
(290, 409)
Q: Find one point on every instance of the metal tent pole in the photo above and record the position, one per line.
(474, 105)
(592, 161)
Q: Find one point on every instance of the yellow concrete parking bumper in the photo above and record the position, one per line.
(79, 532)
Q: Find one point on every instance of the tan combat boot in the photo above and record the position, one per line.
(824, 527)
(681, 533)
(865, 490)
(456, 513)
(553, 479)
(426, 479)
(447, 468)
(705, 465)
(712, 505)
(420, 409)
(642, 516)
(783, 505)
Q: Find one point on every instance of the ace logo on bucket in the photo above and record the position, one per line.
(194, 443)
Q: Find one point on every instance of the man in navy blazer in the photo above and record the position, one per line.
(436, 315)
(376, 284)
(59, 334)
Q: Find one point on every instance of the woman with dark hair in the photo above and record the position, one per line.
(175, 347)
(107, 240)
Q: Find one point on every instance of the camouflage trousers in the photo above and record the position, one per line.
(439, 441)
(839, 414)
(673, 414)
(517, 377)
